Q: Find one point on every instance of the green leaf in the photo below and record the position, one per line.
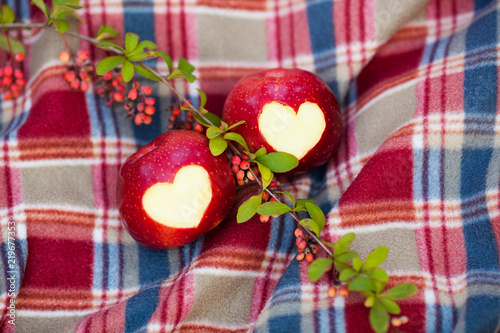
(127, 71)
(105, 32)
(377, 274)
(16, 45)
(43, 7)
(318, 267)
(266, 175)
(8, 15)
(142, 56)
(301, 204)
(59, 2)
(131, 42)
(213, 132)
(370, 301)
(376, 257)
(401, 291)
(180, 73)
(292, 199)
(379, 318)
(357, 264)
(379, 286)
(217, 145)
(185, 66)
(236, 137)
(109, 63)
(362, 283)
(248, 209)
(340, 266)
(273, 208)
(214, 119)
(328, 243)
(260, 152)
(311, 225)
(167, 59)
(279, 162)
(347, 274)
(346, 256)
(344, 243)
(203, 98)
(146, 73)
(236, 124)
(103, 45)
(61, 25)
(390, 305)
(316, 214)
(147, 45)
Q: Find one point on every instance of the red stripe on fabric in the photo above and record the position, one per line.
(442, 169)
(168, 17)
(278, 33)
(183, 30)
(292, 34)
(425, 165)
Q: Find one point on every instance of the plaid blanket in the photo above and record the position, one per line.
(418, 171)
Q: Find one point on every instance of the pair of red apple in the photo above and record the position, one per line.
(173, 190)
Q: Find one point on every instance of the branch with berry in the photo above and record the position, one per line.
(114, 80)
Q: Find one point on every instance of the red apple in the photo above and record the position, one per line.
(288, 110)
(174, 190)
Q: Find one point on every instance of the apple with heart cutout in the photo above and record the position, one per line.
(173, 190)
(287, 110)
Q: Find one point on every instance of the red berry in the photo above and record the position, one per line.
(265, 196)
(146, 90)
(150, 101)
(298, 232)
(309, 257)
(148, 120)
(332, 291)
(245, 165)
(83, 54)
(172, 118)
(64, 56)
(20, 82)
(140, 107)
(298, 240)
(176, 112)
(236, 160)
(198, 128)
(121, 87)
(314, 248)
(235, 168)
(343, 292)
(273, 184)
(132, 94)
(108, 76)
(240, 175)
(300, 256)
(7, 96)
(245, 157)
(139, 118)
(8, 70)
(7, 81)
(18, 73)
(241, 182)
(84, 86)
(302, 245)
(250, 176)
(188, 126)
(117, 96)
(19, 57)
(70, 76)
(75, 84)
(149, 110)
(136, 85)
(264, 218)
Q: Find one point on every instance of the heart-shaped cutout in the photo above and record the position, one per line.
(180, 204)
(290, 132)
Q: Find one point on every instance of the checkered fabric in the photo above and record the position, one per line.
(418, 171)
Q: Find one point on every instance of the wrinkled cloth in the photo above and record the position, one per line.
(418, 170)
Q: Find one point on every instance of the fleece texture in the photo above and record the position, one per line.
(418, 170)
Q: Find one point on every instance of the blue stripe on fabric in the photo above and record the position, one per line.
(97, 276)
(154, 265)
(139, 309)
(113, 267)
(480, 243)
(340, 326)
(140, 19)
(446, 319)
(433, 176)
(321, 33)
(282, 234)
(95, 126)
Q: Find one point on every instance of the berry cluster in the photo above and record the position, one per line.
(183, 120)
(81, 71)
(305, 244)
(396, 322)
(111, 87)
(138, 99)
(12, 80)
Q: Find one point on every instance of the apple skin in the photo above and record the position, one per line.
(159, 161)
(291, 87)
